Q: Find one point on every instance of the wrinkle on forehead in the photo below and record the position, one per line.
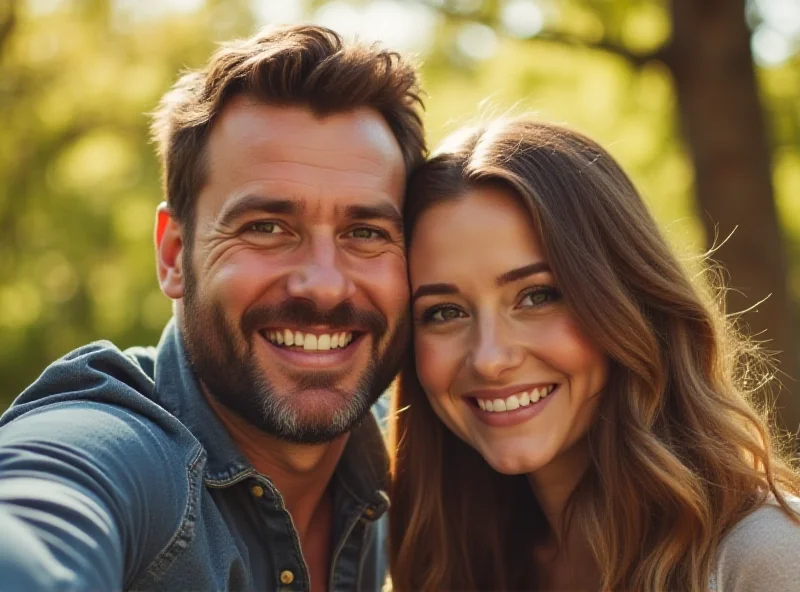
(289, 150)
(304, 173)
(276, 129)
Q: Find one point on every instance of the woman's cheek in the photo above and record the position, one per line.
(583, 354)
(434, 360)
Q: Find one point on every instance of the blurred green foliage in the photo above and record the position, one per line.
(79, 180)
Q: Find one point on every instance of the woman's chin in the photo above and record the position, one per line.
(509, 463)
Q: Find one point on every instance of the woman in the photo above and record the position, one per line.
(579, 415)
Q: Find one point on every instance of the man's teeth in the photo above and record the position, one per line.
(516, 401)
(310, 341)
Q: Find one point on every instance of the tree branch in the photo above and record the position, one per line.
(635, 59)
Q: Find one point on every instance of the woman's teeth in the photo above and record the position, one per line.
(516, 401)
(309, 341)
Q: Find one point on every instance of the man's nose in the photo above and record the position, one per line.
(320, 276)
(495, 351)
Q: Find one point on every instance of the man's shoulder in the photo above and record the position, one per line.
(93, 385)
(95, 405)
(99, 372)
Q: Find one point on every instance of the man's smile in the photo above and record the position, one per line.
(317, 349)
(309, 341)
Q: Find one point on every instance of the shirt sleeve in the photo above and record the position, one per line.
(761, 553)
(90, 492)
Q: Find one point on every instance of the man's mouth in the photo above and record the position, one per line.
(310, 341)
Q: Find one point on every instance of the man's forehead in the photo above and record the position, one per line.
(360, 134)
(325, 166)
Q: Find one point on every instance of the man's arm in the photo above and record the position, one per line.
(90, 491)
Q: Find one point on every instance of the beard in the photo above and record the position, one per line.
(223, 358)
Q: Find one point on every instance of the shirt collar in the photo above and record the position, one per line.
(362, 470)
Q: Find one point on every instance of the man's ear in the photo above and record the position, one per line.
(169, 248)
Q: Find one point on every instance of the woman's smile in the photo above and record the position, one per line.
(517, 408)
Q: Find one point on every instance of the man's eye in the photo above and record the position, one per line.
(442, 314)
(265, 228)
(367, 233)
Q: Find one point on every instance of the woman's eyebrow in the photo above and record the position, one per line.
(508, 277)
(522, 272)
(433, 290)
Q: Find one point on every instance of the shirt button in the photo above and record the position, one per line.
(287, 577)
(257, 491)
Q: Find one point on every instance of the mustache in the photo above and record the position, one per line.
(305, 312)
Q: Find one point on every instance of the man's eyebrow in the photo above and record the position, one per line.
(382, 211)
(521, 272)
(257, 203)
(434, 290)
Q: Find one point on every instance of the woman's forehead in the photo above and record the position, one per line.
(484, 230)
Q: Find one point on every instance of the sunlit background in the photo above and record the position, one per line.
(79, 179)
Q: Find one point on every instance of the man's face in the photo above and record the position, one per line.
(295, 292)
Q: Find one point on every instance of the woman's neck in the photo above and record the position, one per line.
(553, 484)
(565, 561)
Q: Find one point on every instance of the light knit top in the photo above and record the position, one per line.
(760, 553)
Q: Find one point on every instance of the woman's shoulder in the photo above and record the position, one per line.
(762, 552)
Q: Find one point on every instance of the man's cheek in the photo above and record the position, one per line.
(240, 282)
(394, 279)
(386, 288)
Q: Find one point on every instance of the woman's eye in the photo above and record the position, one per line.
(265, 228)
(442, 314)
(540, 297)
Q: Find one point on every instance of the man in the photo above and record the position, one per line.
(239, 454)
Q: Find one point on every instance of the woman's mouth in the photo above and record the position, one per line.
(514, 401)
(506, 408)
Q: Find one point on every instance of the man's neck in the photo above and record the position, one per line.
(301, 472)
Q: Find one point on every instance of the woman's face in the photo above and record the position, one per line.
(500, 356)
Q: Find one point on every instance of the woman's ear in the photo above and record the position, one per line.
(169, 247)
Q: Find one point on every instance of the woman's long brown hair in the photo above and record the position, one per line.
(679, 452)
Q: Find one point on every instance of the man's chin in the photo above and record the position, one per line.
(315, 401)
(315, 417)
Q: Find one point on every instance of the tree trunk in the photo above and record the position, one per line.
(8, 19)
(723, 122)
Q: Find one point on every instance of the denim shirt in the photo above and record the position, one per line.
(115, 473)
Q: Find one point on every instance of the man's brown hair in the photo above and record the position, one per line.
(306, 66)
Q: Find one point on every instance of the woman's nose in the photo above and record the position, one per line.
(495, 352)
